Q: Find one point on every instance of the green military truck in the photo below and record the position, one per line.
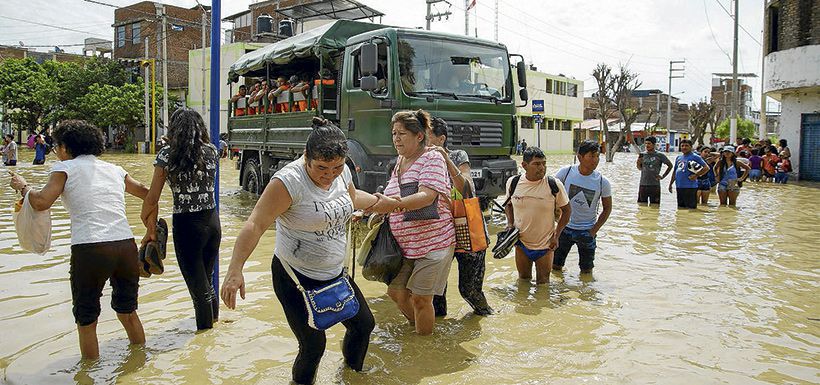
(360, 74)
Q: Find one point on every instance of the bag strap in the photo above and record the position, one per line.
(513, 185)
(553, 185)
(292, 275)
(295, 279)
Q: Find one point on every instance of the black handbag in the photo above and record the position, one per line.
(406, 189)
(384, 259)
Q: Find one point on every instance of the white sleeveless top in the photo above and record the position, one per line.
(94, 196)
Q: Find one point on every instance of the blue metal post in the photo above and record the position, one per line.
(216, 40)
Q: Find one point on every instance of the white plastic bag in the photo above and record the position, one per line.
(33, 227)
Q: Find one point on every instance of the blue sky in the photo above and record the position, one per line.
(566, 37)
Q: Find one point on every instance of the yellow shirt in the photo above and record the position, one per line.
(534, 210)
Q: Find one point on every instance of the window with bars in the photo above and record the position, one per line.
(135, 33)
(121, 36)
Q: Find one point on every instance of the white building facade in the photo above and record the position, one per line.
(563, 109)
(792, 76)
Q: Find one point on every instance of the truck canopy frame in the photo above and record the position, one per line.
(316, 42)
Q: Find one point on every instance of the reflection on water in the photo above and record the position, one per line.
(714, 295)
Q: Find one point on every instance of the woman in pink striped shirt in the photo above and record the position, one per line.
(420, 219)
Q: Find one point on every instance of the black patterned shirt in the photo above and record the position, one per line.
(193, 190)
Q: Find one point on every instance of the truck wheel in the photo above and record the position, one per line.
(252, 177)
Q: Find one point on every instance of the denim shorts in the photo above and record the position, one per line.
(755, 174)
(586, 248)
(704, 184)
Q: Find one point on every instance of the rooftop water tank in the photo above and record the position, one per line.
(286, 27)
(264, 24)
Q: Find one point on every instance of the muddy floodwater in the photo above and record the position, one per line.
(710, 296)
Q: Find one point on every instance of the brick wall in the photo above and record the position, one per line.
(798, 24)
(7, 52)
(184, 32)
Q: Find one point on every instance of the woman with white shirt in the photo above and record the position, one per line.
(102, 245)
(311, 200)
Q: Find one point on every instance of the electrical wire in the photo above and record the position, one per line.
(50, 25)
(738, 24)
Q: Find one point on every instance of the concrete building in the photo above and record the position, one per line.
(791, 75)
(9, 52)
(563, 104)
(721, 96)
(183, 28)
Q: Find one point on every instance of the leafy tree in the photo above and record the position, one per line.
(26, 91)
(745, 129)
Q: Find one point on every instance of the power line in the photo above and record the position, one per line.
(561, 39)
(51, 26)
(738, 24)
(709, 23)
(585, 39)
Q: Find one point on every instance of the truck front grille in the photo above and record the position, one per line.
(474, 134)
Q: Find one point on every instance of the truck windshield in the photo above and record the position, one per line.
(453, 69)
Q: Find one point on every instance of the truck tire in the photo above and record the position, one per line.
(252, 177)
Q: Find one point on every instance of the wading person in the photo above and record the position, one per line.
(586, 188)
(9, 150)
(531, 208)
(470, 264)
(311, 200)
(421, 220)
(40, 150)
(727, 172)
(688, 167)
(102, 244)
(650, 163)
(706, 181)
(188, 164)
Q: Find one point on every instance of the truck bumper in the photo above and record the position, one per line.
(493, 175)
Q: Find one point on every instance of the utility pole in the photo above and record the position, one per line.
(495, 31)
(164, 73)
(147, 110)
(672, 75)
(159, 10)
(764, 120)
(735, 98)
(216, 42)
(467, 17)
(430, 16)
(204, 65)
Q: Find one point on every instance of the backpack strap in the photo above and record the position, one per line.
(513, 185)
(553, 185)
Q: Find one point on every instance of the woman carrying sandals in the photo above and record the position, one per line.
(188, 164)
(311, 200)
(470, 264)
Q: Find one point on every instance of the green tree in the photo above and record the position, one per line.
(26, 91)
(120, 108)
(745, 129)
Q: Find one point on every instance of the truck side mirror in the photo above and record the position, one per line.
(523, 95)
(369, 83)
(368, 59)
(522, 74)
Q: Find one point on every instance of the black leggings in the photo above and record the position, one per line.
(311, 341)
(470, 285)
(196, 241)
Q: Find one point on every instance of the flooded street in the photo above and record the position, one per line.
(714, 295)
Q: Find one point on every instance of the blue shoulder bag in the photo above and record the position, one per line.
(329, 304)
